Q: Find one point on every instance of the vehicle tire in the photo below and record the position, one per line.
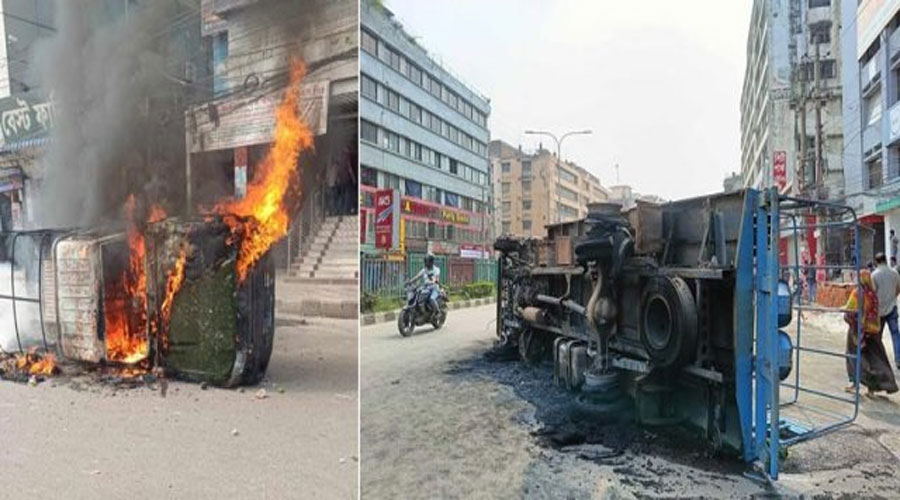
(668, 322)
(441, 319)
(587, 408)
(532, 346)
(406, 323)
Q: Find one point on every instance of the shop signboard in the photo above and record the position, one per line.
(418, 208)
(386, 219)
(248, 120)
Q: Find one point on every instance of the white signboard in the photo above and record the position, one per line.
(245, 121)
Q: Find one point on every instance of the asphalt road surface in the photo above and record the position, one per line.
(440, 421)
(65, 439)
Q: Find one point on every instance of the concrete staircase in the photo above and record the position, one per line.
(333, 256)
(324, 280)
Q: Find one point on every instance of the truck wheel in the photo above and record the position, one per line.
(668, 322)
(532, 346)
(588, 408)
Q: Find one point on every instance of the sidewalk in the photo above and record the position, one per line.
(384, 317)
(304, 299)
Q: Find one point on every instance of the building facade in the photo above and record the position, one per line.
(423, 134)
(871, 48)
(253, 47)
(793, 76)
(533, 190)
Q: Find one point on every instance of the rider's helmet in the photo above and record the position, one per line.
(429, 260)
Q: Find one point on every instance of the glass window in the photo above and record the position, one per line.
(526, 186)
(451, 199)
(567, 176)
(369, 88)
(393, 101)
(413, 189)
(368, 176)
(875, 173)
(393, 142)
(526, 204)
(369, 43)
(873, 107)
(415, 74)
(504, 228)
(526, 225)
(368, 131)
(526, 169)
(454, 168)
(435, 88)
(507, 207)
(504, 187)
(566, 193)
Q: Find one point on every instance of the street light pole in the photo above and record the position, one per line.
(558, 157)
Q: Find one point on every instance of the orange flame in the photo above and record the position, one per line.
(261, 218)
(173, 284)
(125, 300)
(34, 364)
(157, 213)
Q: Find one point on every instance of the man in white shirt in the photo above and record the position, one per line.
(887, 286)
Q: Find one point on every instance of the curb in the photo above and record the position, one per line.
(384, 317)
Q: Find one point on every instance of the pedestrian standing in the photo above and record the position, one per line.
(874, 368)
(887, 286)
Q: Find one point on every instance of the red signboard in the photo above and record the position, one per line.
(414, 207)
(779, 169)
(363, 215)
(384, 218)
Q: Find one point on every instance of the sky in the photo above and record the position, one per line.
(658, 85)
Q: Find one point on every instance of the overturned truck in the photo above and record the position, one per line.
(667, 314)
(172, 300)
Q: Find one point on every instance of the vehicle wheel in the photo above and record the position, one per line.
(532, 346)
(441, 319)
(405, 323)
(615, 407)
(669, 322)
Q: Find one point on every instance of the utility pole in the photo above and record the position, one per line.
(820, 174)
(558, 159)
(804, 153)
(820, 185)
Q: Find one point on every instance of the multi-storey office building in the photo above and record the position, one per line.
(785, 43)
(424, 134)
(534, 190)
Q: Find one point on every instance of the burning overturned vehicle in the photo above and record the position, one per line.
(186, 296)
(676, 315)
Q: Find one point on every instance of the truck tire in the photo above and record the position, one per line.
(668, 322)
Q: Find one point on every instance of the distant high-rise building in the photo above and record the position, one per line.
(532, 190)
(778, 108)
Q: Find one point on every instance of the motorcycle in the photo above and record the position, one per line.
(417, 310)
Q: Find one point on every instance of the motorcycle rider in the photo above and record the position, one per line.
(430, 275)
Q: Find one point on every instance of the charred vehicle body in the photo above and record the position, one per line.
(667, 314)
(171, 300)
